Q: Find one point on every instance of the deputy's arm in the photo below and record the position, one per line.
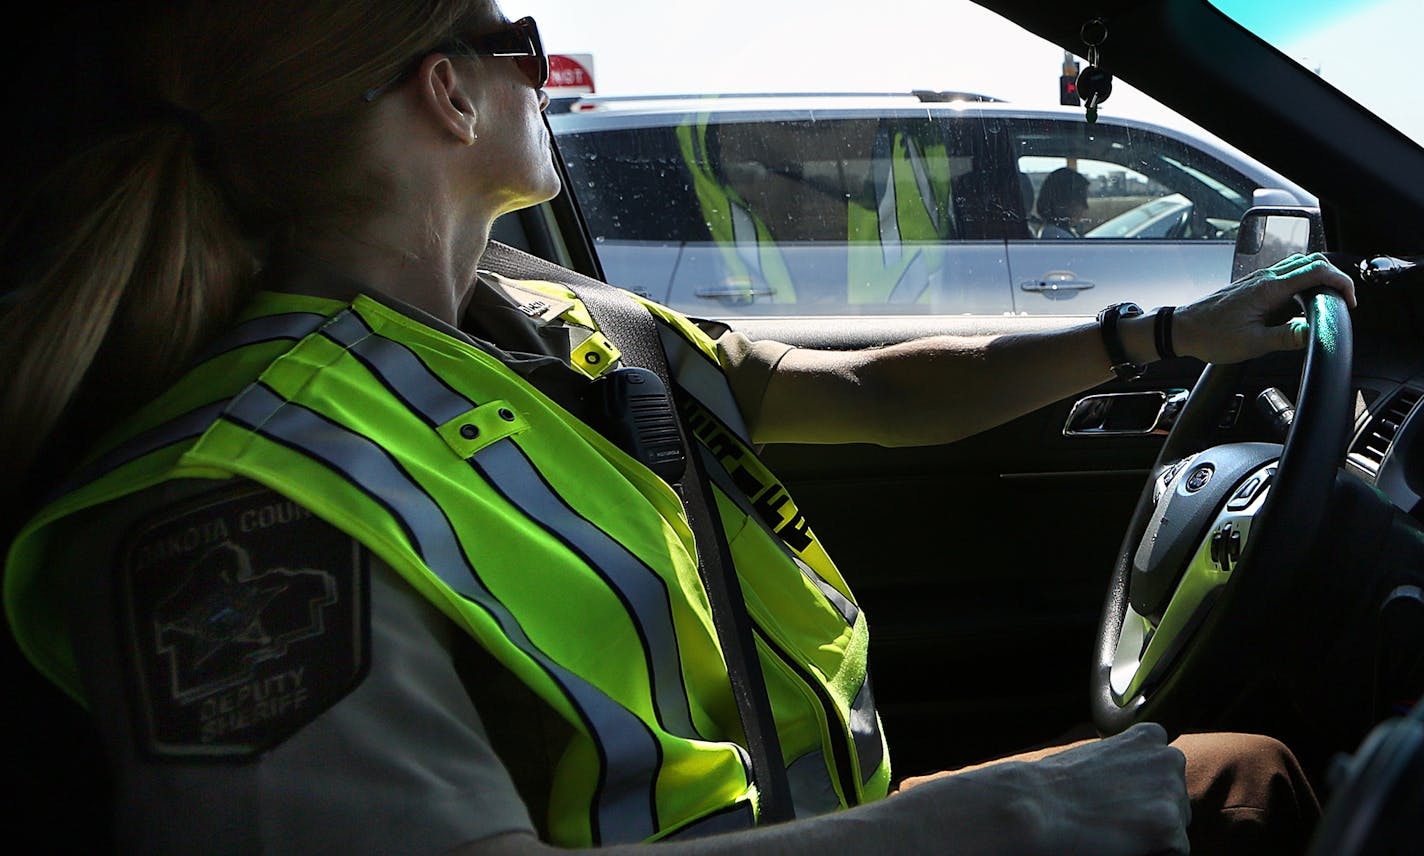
(943, 388)
(1123, 795)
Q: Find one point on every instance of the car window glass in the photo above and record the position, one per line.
(1214, 184)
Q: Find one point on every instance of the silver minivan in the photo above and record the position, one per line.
(937, 203)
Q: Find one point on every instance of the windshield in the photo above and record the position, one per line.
(1364, 48)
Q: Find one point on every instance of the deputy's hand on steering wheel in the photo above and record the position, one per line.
(1242, 321)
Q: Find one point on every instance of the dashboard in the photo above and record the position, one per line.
(1386, 449)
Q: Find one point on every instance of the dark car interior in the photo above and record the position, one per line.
(984, 563)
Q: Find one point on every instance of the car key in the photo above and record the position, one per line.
(1094, 84)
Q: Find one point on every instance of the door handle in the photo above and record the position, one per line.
(1125, 413)
(1052, 285)
(732, 294)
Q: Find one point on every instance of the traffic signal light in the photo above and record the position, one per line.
(1068, 83)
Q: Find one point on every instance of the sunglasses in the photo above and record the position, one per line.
(519, 41)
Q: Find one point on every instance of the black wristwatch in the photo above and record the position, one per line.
(1124, 368)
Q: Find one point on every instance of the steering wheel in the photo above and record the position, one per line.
(1179, 228)
(1217, 531)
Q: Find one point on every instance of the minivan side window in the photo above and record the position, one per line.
(1139, 184)
(1085, 198)
(788, 215)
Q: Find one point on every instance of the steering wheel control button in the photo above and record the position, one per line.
(1218, 546)
(1252, 490)
(1226, 547)
(1245, 495)
(1230, 412)
(1199, 478)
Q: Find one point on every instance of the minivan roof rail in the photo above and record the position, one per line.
(951, 95)
(564, 103)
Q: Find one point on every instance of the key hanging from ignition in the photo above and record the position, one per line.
(1094, 83)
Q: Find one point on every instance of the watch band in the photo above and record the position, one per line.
(1162, 332)
(1121, 366)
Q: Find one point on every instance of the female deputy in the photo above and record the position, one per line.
(345, 572)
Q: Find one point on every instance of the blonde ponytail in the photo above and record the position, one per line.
(150, 239)
(113, 310)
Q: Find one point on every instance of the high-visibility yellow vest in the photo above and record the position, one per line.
(750, 259)
(420, 446)
(897, 249)
(896, 229)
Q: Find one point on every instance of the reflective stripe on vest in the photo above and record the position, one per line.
(692, 370)
(283, 327)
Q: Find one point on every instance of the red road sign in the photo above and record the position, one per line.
(570, 74)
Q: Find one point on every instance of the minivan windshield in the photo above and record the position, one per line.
(1364, 48)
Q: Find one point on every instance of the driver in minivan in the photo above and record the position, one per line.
(337, 557)
(1062, 204)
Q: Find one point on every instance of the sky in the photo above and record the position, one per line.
(666, 46)
(1376, 75)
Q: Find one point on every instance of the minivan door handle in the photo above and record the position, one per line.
(732, 294)
(1051, 284)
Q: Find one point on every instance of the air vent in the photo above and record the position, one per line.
(1370, 448)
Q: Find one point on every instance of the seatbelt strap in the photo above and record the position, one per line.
(632, 328)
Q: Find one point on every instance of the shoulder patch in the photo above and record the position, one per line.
(245, 616)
